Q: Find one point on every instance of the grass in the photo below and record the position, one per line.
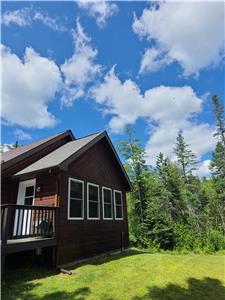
(133, 275)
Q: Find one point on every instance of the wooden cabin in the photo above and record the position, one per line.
(64, 194)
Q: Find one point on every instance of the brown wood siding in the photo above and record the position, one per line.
(48, 193)
(9, 190)
(83, 238)
(99, 165)
(46, 197)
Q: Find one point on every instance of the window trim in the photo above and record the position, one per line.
(114, 192)
(103, 211)
(95, 185)
(68, 200)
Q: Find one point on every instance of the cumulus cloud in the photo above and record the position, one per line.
(21, 135)
(28, 85)
(6, 147)
(100, 10)
(25, 16)
(203, 169)
(20, 17)
(80, 69)
(166, 109)
(189, 33)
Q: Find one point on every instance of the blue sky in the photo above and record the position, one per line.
(104, 65)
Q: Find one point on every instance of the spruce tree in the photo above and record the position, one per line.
(136, 166)
(185, 157)
(220, 118)
(218, 156)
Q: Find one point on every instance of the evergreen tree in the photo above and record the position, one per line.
(218, 157)
(185, 157)
(136, 167)
(220, 118)
(218, 160)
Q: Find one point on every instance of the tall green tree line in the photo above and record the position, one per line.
(169, 206)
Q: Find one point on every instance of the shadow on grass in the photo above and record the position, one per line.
(17, 282)
(79, 294)
(206, 289)
(105, 258)
(24, 291)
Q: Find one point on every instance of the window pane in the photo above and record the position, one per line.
(76, 189)
(118, 211)
(107, 211)
(93, 193)
(76, 208)
(28, 201)
(107, 196)
(29, 191)
(93, 209)
(118, 198)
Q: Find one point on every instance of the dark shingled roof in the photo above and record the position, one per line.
(58, 156)
(5, 156)
(11, 157)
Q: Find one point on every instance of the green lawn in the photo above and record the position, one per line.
(134, 275)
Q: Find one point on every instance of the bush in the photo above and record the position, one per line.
(215, 240)
(203, 241)
(159, 232)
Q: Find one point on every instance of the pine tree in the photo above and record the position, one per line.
(185, 157)
(136, 167)
(218, 157)
(160, 163)
(220, 118)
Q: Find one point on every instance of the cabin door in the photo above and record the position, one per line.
(26, 193)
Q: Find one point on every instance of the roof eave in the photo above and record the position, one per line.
(33, 173)
(9, 163)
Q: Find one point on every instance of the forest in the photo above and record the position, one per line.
(170, 207)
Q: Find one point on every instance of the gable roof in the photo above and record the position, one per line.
(65, 154)
(13, 156)
(58, 156)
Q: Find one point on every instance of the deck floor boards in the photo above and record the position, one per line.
(27, 240)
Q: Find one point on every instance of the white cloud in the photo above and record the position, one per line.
(6, 147)
(20, 17)
(21, 135)
(49, 21)
(190, 33)
(166, 109)
(100, 10)
(153, 60)
(203, 169)
(28, 86)
(80, 69)
(25, 16)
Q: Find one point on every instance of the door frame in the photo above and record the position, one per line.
(22, 188)
(19, 220)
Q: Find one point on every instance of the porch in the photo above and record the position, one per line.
(27, 227)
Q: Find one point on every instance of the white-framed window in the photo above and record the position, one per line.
(107, 203)
(118, 205)
(75, 199)
(93, 202)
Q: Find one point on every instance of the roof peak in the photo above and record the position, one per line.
(24, 150)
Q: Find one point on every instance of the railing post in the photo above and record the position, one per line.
(6, 224)
(56, 222)
(56, 235)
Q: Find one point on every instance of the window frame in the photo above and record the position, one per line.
(68, 200)
(114, 196)
(103, 204)
(88, 199)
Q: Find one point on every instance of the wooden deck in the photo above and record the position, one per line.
(19, 245)
(27, 227)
